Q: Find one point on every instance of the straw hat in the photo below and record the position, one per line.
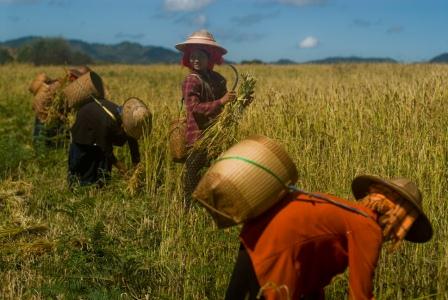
(201, 37)
(421, 230)
(136, 116)
(37, 82)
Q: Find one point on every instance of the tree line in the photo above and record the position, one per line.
(45, 51)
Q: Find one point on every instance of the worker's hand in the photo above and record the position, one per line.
(406, 223)
(121, 167)
(248, 100)
(229, 97)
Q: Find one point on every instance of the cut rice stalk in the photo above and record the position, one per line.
(221, 134)
(11, 232)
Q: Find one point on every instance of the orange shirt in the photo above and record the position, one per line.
(301, 243)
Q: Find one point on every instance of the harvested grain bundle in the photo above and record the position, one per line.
(137, 179)
(11, 232)
(82, 89)
(43, 100)
(246, 180)
(220, 135)
(37, 82)
(38, 247)
(58, 111)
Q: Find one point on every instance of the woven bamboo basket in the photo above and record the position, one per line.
(37, 82)
(246, 180)
(137, 118)
(82, 89)
(177, 140)
(43, 99)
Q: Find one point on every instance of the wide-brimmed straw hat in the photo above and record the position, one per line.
(136, 116)
(421, 230)
(201, 37)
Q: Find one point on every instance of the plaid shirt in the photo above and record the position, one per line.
(202, 94)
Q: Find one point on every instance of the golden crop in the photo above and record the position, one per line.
(336, 121)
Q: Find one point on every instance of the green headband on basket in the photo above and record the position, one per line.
(293, 188)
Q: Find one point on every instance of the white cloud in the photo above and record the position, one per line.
(186, 5)
(301, 2)
(309, 42)
(200, 20)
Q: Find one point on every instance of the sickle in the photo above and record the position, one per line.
(236, 76)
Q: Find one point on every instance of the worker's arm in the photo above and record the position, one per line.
(364, 245)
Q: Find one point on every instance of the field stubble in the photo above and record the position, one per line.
(336, 121)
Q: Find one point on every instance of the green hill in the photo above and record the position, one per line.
(125, 52)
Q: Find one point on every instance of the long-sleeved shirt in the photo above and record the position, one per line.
(202, 93)
(94, 126)
(301, 243)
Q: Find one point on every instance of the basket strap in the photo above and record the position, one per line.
(293, 188)
(105, 109)
(264, 168)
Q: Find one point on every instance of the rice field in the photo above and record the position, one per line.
(336, 121)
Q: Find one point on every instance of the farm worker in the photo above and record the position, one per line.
(294, 249)
(204, 93)
(100, 125)
(45, 132)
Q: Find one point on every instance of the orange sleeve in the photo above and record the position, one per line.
(364, 245)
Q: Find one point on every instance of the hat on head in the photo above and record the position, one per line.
(203, 38)
(136, 116)
(421, 230)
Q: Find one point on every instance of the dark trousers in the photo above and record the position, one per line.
(243, 283)
(194, 165)
(88, 165)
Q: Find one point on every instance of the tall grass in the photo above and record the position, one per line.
(337, 121)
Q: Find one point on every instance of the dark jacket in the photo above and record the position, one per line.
(94, 126)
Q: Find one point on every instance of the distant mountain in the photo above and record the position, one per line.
(252, 62)
(351, 59)
(125, 52)
(284, 61)
(442, 58)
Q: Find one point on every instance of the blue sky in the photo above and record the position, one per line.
(301, 30)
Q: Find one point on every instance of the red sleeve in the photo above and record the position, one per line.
(364, 245)
(191, 92)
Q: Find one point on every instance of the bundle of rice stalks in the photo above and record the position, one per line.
(11, 232)
(12, 189)
(57, 110)
(137, 179)
(37, 247)
(221, 134)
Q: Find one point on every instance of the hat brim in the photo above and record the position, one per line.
(421, 230)
(200, 42)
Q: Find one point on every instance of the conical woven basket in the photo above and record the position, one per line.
(177, 139)
(136, 118)
(37, 82)
(82, 89)
(246, 180)
(43, 99)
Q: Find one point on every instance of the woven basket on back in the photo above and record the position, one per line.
(43, 99)
(137, 118)
(37, 82)
(177, 140)
(246, 180)
(82, 89)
